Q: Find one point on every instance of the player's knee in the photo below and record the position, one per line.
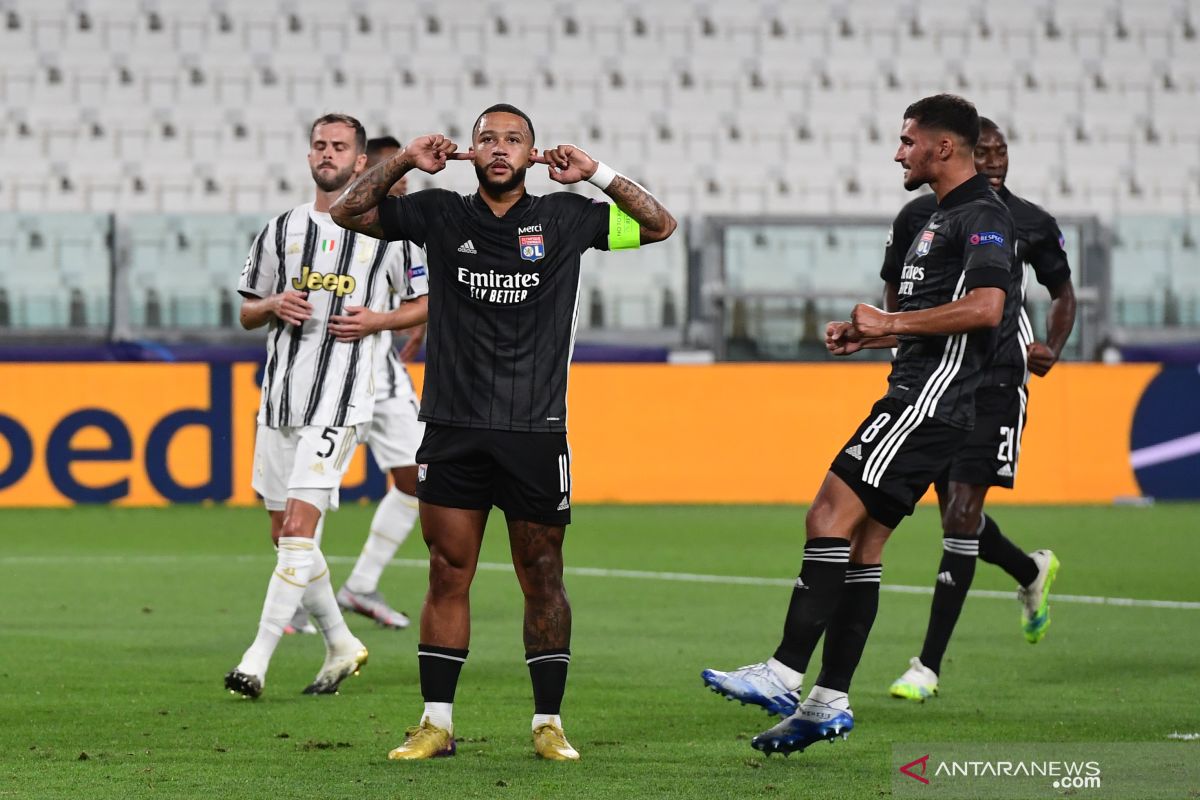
(293, 525)
(819, 519)
(543, 569)
(960, 516)
(447, 575)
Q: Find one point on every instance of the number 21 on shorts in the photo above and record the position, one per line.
(1007, 444)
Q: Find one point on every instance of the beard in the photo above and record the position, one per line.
(516, 179)
(918, 172)
(331, 181)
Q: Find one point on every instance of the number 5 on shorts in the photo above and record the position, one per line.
(875, 427)
(327, 435)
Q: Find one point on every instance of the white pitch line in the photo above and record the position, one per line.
(599, 572)
(747, 580)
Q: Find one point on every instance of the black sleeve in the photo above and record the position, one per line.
(989, 249)
(408, 217)
(585, 220)
(1048, 255)
(908, 222)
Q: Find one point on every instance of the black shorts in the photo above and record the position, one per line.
(989, 455)
(528, 475)
(893, 457)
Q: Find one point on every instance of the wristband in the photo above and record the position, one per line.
(603, 176)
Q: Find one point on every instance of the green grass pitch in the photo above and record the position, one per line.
(119, 625)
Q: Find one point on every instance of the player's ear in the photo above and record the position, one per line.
(360, 163)
(533, 151)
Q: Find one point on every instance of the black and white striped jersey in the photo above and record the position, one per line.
(966, 243)
(391, 376)
(310, 378)
(1040, 245)
(503, 303)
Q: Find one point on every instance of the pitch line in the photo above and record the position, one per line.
(748, 580)
(599, 572)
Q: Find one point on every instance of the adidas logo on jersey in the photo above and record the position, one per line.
(564, 505)
(1005, 471)
(467, 247)
(946, 578)
(855, 452)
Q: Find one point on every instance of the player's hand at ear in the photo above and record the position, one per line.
(356, 323)
(293, 307)
(430, 153)
(1041, 359)
(569, 164)
(870, 322)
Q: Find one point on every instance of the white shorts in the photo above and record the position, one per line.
(303, 463)
(395, 432)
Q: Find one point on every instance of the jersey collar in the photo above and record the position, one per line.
(517, 209)
(973, 187)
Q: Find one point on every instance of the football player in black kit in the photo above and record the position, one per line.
(954, 280)
(503, 303)
(989, 457)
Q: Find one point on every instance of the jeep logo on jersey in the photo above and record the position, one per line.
(312, 281)
(532, 248)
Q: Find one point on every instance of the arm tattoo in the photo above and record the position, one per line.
(638, 203)
(357, 208)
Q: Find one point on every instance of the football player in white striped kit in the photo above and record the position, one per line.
(394, 435)
(323, 292)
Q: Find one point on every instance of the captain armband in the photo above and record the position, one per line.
(624, 232)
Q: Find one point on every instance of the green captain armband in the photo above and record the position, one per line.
(624, 232)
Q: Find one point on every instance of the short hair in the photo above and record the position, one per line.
(380, 143)
(360, 133)
(986, 124)
(505, 108)
(947, 112)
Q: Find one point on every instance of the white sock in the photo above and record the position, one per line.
(440, 715)
(542, 719)
(830, 697)
(393, 521)
(292, 567)
(787, 676)
(318, 600)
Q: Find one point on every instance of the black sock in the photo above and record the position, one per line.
(814, 599)
(439, 671)
(955, 574)
(548, 672)
(847, 634)
(996, 548)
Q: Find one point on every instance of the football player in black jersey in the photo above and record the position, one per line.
(503, 301)
(956, 275)
(990, 455)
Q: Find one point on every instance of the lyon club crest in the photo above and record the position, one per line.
(531, 247)
(925, 243)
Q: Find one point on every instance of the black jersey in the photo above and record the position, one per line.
(503, 303)
(966, 243)
(1040, 244)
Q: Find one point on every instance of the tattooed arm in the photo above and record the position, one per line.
(569, 164)
(357, 209)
